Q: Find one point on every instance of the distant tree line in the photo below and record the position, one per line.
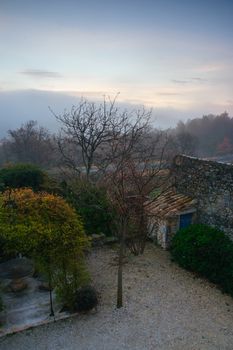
(211, 135)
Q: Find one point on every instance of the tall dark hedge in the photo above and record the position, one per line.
(92, 204)
(21, 175)
(207, 251)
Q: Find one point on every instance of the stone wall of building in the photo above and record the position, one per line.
(211, 183)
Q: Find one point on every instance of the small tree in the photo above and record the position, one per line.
(124, 161)
(225, 147)
(139, 169)
(46, 228)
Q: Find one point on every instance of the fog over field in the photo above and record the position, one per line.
(18, 107)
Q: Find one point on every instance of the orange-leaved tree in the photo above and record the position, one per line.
(44, 227)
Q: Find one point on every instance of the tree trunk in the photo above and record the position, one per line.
(120, 275)
(120, 266)
(50, 295)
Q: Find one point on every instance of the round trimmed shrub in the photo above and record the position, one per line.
(207, 251)
(85, 299)
(45, 228)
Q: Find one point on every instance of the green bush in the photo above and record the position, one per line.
(4, 254)
(1, 304)
(67, 284)
(21, 175)
(86, 299)
(92, 204)
(207, 251)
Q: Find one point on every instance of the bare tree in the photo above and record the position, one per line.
(134, 171)
(29, 144)
(88, 127)
(70, 157)
(121, 145)
(139, 179)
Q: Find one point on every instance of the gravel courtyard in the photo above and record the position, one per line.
(165, 307)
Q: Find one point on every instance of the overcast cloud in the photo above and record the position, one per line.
(175, 56)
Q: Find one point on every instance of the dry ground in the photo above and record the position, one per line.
(165, 307)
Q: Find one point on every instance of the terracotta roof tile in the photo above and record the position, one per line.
(170, 204)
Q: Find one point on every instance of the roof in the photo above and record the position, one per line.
(171, 204)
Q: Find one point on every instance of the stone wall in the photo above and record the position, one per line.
(211, 183)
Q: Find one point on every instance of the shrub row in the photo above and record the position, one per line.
(21, 175)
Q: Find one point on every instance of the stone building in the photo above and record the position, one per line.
(201, 191)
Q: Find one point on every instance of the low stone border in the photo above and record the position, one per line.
(14, 330)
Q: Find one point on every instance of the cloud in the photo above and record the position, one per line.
(169, 93)
(212, 67)
(181, 82)
(89, 94)
(189, 80)
(198, 79)
(39, 73)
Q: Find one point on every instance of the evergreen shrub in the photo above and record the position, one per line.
(206, 251)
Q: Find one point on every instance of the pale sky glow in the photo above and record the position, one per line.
(173, 55)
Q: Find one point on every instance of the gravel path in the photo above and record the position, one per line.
(165, 308)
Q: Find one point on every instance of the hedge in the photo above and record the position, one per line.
(206, 251)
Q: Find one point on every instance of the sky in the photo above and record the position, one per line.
(175, 56)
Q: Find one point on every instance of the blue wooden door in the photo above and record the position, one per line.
(185, 220)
